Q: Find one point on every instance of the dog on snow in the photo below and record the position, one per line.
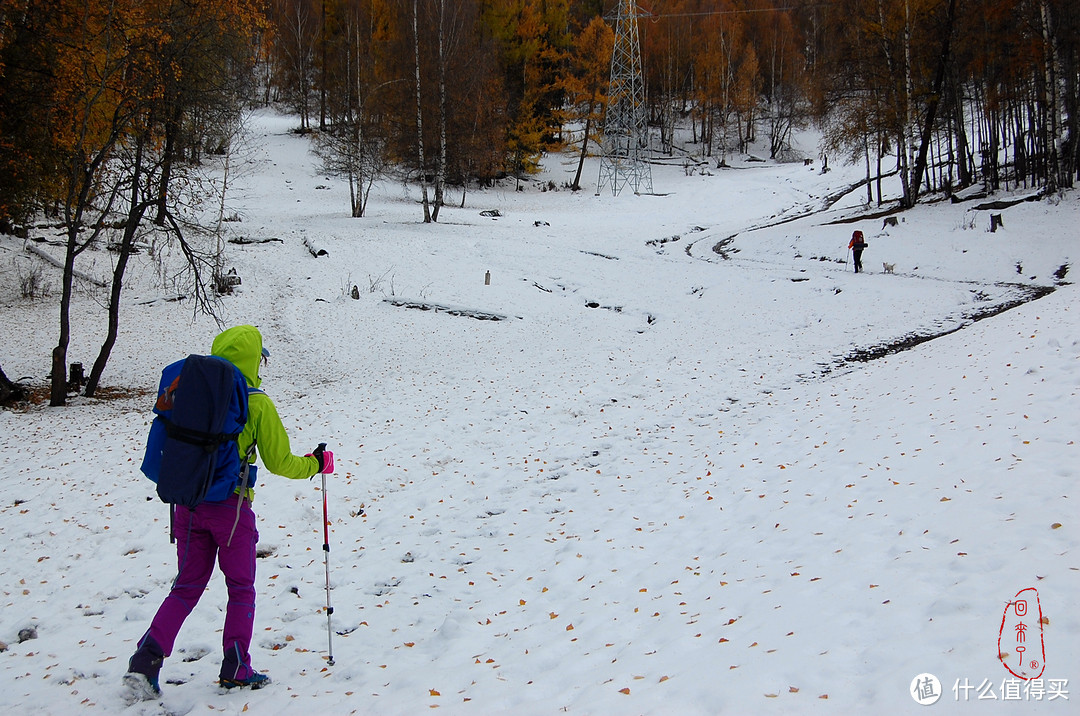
(889, 268)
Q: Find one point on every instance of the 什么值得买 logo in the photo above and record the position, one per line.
(925, 689)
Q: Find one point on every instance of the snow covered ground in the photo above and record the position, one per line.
(657, 486)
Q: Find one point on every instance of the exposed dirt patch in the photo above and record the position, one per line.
(864, 355)
(723, 248)
(40, 394)
(452, 310)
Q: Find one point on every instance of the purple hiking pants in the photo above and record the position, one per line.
(201, 536)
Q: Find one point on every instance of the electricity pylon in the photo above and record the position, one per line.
(626, 135)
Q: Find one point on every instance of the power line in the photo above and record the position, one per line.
(654, 17)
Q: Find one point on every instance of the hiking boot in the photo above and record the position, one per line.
(138, 688)
(255, 681)
(144, 666)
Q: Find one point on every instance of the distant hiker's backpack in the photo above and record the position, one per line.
(191, 452)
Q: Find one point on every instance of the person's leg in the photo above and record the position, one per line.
(195, 552)
(237, 562)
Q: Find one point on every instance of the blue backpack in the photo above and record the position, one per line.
(191, 452)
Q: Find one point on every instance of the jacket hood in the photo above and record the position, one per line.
(241, 346)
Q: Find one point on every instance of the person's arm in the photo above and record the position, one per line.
(273, 442)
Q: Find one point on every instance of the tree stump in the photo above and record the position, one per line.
(225, 283)
(76, 377)
(10, 392)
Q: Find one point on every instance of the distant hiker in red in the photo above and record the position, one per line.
(224, 530)
(856, 246)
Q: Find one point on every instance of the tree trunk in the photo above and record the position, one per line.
(136, 209)
(58, 393)
(878, 176)
(869, 182)
(932, 105)
(963, 154)
(576, 186)
(1053, 137)
(440, 171)
(172, 132)
(420, 114)
(322, 67)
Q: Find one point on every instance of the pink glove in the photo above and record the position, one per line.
(325, 458)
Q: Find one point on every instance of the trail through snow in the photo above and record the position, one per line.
(656, 487)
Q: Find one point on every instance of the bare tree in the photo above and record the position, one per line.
(440, 169)
(297, 34)
(348, 150)
(420, 115)
(932, 106)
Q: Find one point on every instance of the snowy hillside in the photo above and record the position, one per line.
(657, 480)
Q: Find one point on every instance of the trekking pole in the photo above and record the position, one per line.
(326, 561)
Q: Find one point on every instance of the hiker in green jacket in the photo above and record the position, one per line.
(225, 531)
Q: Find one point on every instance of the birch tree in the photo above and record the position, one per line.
(420, 114)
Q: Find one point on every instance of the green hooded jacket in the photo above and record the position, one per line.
(242, 346)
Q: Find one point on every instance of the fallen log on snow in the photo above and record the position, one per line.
(314, 251)
(161, 299)
(31, 249)
(1006, 204)
(241, 241)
